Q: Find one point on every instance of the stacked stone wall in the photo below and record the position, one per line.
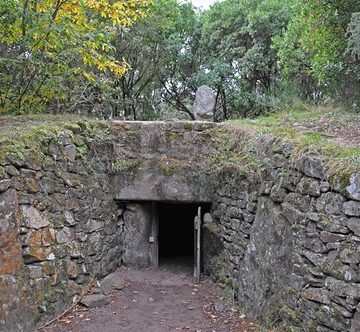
(284, 235)
(59, 224)
(286, 241)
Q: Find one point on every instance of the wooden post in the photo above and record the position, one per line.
(154, 238)
(197, 245)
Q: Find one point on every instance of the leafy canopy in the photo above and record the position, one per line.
(46, 42)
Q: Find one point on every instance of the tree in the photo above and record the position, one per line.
(238, 59)
(50, 46)
(313, 48)
(160, 52)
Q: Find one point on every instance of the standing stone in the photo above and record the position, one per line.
(204, 104)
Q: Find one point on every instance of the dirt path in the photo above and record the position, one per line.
(160, 300)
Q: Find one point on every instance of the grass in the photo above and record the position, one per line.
(296, 125)
(11, 125)
(18, 133)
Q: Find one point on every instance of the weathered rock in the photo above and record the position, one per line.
(73, 249)
(32, 186)
(16, 159)
(4, 185)
(324, 186)
(351, 208)
(3, 173)
(65, 235)
(291, 179)
(93, 225)
(65, 138)
(315, 245)
(204, 104)
(113, 281)
(48, 237)
(308, 186)
(18, 310)
(355, 322)
(33, 159)
(330, 203)
(300, 202)
(278, 193)
(333, 224)
(317, 259)
(255, 268)
(72, 270)
(317, 294)
(70, 152)
(354, 225)
(69, 218)
(293, 215)
(35, 271)
(313, 166)
(331, 237)
(94, 301)
(342, 288)
(33, 218)
(353, 190)
(350, 256)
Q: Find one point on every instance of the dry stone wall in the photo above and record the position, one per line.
(284, 237)
(59, 224)
(286, 241)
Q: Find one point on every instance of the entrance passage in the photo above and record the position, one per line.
(176, 232)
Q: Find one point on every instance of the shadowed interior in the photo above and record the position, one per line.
(176, 232)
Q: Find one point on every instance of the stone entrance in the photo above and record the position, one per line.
(176, 233)
(160, 232)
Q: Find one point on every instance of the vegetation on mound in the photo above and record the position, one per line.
(310, 130)
(29, 134)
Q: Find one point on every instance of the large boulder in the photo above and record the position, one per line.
(204, 104)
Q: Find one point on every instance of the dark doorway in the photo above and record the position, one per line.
(176, 233)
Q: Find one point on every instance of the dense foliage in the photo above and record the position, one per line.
(238, 59)
(145, 59)
(51, 50)
(313, 50)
